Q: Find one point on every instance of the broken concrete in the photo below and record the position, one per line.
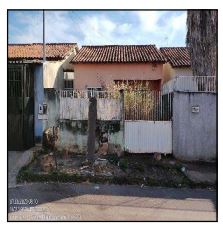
(199, 177)
(200, 172)
(50, 137)
(103, 149)
(47, 162)
(157, 156)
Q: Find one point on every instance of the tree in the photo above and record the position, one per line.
(202, 41)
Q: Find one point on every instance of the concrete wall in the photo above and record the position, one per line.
(73, 133)
(183, 71)
(51, 98)
(53, 72)
(39, 97)
(53, 75)
(48, 76)
(77, 108)
(194, 134)
(169, 72)
(98, 75)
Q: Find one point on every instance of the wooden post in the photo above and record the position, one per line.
(92, 117)
(122, 123)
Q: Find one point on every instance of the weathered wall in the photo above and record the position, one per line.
(53, 72)
(51, 98)
(194, 134)
(169, 72)
(48, 76)
(97, 75)
(53, 75)
(183, 71)
(77, 108)
(39, 97)
(73, 133)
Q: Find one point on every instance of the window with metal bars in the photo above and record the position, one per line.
(68, 84)
(93, 91)
(15, 82)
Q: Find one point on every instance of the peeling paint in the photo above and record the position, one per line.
(73, 133)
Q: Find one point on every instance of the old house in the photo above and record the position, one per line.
(96, 67)
(28, 76)
(178, 62)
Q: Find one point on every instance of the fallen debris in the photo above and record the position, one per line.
(96, 187)
(47, 162)
(84, 167)
(129, 169)
(157, 156)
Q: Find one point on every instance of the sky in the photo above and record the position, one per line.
(162, 28)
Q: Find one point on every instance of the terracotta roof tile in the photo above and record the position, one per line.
(177, 56)
(54, 51)
(118, 54)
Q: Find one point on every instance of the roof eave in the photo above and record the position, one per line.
(132, 62)
(25, 61)
(31, 60)
(180, 66)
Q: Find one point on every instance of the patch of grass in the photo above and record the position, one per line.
(29, 176)
(139, 167)
(25, 168)
(156, 174)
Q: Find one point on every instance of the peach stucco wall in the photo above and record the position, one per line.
(97, 75)
(169, 72)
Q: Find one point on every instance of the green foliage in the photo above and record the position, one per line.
(123, 164)
(175, 179)
(139, 167)
(30, 176)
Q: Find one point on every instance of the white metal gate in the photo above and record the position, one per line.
(148, 123)
(148, 136)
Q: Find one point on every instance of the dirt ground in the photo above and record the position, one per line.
(140, 169)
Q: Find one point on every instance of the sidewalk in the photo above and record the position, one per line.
(106, 202)
(16, 160)
(201, 172)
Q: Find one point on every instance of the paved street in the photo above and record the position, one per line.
(86, 202)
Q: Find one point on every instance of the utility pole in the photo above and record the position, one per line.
(41, 93)
(44, 49)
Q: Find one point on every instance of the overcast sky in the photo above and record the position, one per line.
(163, 28)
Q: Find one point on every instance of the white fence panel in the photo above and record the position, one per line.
(108, 109)
(74, 108)
(190, 84)
(74, 105)
(148, 136)
(186, 84)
